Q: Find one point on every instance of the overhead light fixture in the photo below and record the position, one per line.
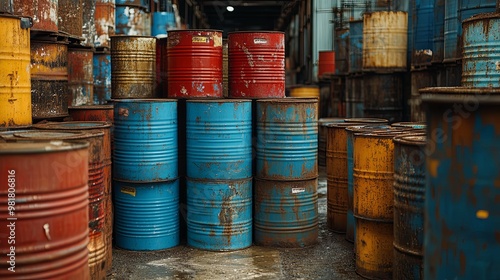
(230, 8)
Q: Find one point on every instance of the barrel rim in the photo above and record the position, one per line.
(120, 36)
(75, 135)
(383, 12)
(447, 95)
(356, 128)
(482, 16)
(219, 100)
(60, 125)
(411, 139)
(366, 120)
(145, 100)
(325, 51)
(194, 30)
(91, 107)
(342, 125)
(48, 41)
(41, 147)
(407, 124)
(72, 47)
(289, 100)
(382, 134)
(5, 15)
(256, 32)
(145, 183)
(215, 181)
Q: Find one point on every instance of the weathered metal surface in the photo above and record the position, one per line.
(194, 63)
(287, 139)
(134, 3)
(6, 7)
(438, 34)
(80, 76)
(132, 21)
(322, 123)
(49, 79)
(52, 214)
(355, 46)
(219, 139)
(162, 22)
(286, 213)
(219, 214)
(378, 124)
(104, 22)
(304, 91)
(481, 49)
(385, 41)
(70, 17)
(257, 64)
(337, 93)
(225, 68)
(326, 63)
(461, 217)
(373, 174)
(423, 31)
(89, 32)
(146, 215)
(383, 95)
(94, 113)
(409, 194)
(43, 12)
(414, 125)
(341, 50)
(145, 140)
(325, 109)
(161, 67)
(420, 79)
(355, 100)
(102, 77)
(15, 83)
(133, 63)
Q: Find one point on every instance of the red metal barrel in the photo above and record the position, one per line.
(104, 22)
(70, 17)
(96, 113)
(326, 63)
(46, 183)
(194, 60)
(161, 67)
(43, 13)
(257, 64)
(80, 76)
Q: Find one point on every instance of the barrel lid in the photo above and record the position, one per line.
(414, 125)
(194, 30)
(91, 107)
(218, 100)
(416, 139)
(482, 16)
(55, 135)
(256, 32)
(356, 127)
(462, 95)
(342, 125)
(289, 100)
(148, 100)
(390, 132)
(326, 121)
(40, 147)
(119, 36)
(365, 120)
(73, 125)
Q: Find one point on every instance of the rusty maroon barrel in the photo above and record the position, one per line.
(194, 60)
(257, 64)
(43, 12)
(46, 185)
(70, 17)
(322, 123)
(104, 22)
(49, 79)
(133, 62)
(96, 187)
(326, 63)
(95, 113)
(80, 76)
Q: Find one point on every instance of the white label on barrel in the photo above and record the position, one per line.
(199, 39)
(128, 190)
(259, 41)
(298, 190)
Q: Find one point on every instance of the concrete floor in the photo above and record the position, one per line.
(331, 258)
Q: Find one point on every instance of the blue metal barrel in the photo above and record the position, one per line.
(219, 139)
(131, 20)
(480, 64)
(438, 34)
(286, 213)
(162, 22)
(461, 216)
(355, 46)
(134, 3)
(146, 215)
(409, 194)
(423, 27)
(145, 140)
(102, 77)
(287, 139)
(219, 214)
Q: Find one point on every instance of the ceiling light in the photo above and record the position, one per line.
(230, 8)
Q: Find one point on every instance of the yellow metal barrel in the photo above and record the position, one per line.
(15, 83)
(304, 91)
(373, 202)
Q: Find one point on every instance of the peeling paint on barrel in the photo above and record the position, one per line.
(462, 167)
(102, 77)
(80, 76)
(219, 214)
(104, 22)
(70, 17)
(43, 12)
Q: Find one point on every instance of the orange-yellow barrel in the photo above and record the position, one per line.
(15, 83)
(373, 202)
(304, 91)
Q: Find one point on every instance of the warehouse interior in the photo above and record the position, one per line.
(233, 139)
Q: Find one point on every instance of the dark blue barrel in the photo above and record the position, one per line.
(423, 27)
(145, 140)
(462, 217)
(286, 213)
(451, 23)
(355, 46)
(146, 215)
(409, 194)
(287, 139)
(219, 139)
(102, 77)
(219, 214)
(438, 34)
(162, 22)
(481, 51)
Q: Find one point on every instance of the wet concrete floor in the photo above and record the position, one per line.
(331, 258)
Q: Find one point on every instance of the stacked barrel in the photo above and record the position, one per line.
(132, 18)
